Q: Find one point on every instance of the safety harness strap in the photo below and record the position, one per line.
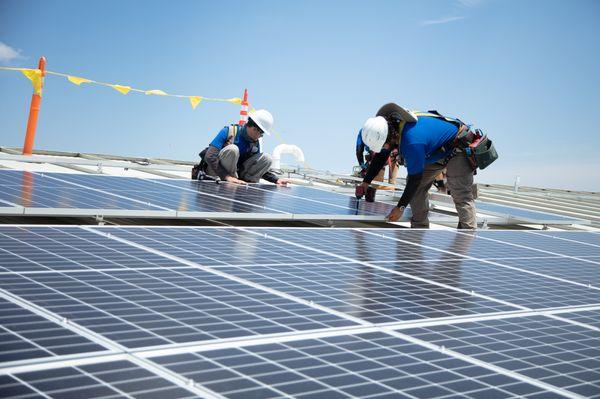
(232, 133)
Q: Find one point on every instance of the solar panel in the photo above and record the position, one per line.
(219, 246)
(112, 379)
(589, 317)
(36, 190)
(525, 215)
(293, 199)
(371, 294)
(301, 312)
(393, 245)
(80, 194)
(366, 365)
(575, 236)
(583, 272)
(506, 284)
(69, 249)
(553, 351)
(544, 242)
(136, 308)
(167, 196)
(25, 335)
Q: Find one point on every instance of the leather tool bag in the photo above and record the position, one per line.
(478, 148)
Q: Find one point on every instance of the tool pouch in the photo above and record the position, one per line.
(200, 167)
(481, 152)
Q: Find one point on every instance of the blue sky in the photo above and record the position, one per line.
(526, 72)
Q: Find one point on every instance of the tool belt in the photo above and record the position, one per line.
(477, 147)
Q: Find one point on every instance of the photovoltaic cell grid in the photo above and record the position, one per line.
(103, 380)
(220, 247)
(144, 308)
(143, 299)
(36, 190)
(25, 335)
(70, 248)
(162, 195)
(83, 191)
(371, 294)
(293, 199)
(514, 286)
(555, 352)
(549, 243)
(366, 366)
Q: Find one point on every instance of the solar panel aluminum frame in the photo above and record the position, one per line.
(91, 162)
(149, 214)
(500, 218)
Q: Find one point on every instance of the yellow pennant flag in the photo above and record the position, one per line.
(35, 75)
(155, 92)
(235, 100)
(121, 89)
(195, 100)
(77, 80)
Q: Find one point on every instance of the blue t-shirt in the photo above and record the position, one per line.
(247, 148)
(422, 138)
(359, 141)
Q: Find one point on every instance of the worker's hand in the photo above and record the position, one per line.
(361, 190)
(282, 182)
(235, 180)
(395, 214)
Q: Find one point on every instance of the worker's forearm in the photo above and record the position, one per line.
(376, 164)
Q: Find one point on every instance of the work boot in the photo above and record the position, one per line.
(370, 195)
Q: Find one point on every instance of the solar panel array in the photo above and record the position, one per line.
(83, 194)
(154, 312)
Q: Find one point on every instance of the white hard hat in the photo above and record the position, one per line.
(263, 119)
(374, 133)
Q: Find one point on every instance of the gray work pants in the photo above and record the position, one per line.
(251, 170)
(460, 182)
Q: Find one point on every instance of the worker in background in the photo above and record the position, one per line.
(364, 161)
(428, 144)
(439, 182)
(235, 154)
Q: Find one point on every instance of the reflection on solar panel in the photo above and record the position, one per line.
(297, 312)
(82, 194)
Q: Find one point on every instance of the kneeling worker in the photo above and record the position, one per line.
(235, 154)
(429, 142)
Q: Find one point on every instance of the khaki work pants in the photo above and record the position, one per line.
(460, 182)
(251, 170)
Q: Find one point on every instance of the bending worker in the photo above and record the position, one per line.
(427, 141)
(364, 162)
(235, 154)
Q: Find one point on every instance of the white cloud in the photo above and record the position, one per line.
(460, 7)
(470, 3)
(8, 54)
(444, 20)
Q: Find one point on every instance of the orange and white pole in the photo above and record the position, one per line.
(244, 110)
(34, 110)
